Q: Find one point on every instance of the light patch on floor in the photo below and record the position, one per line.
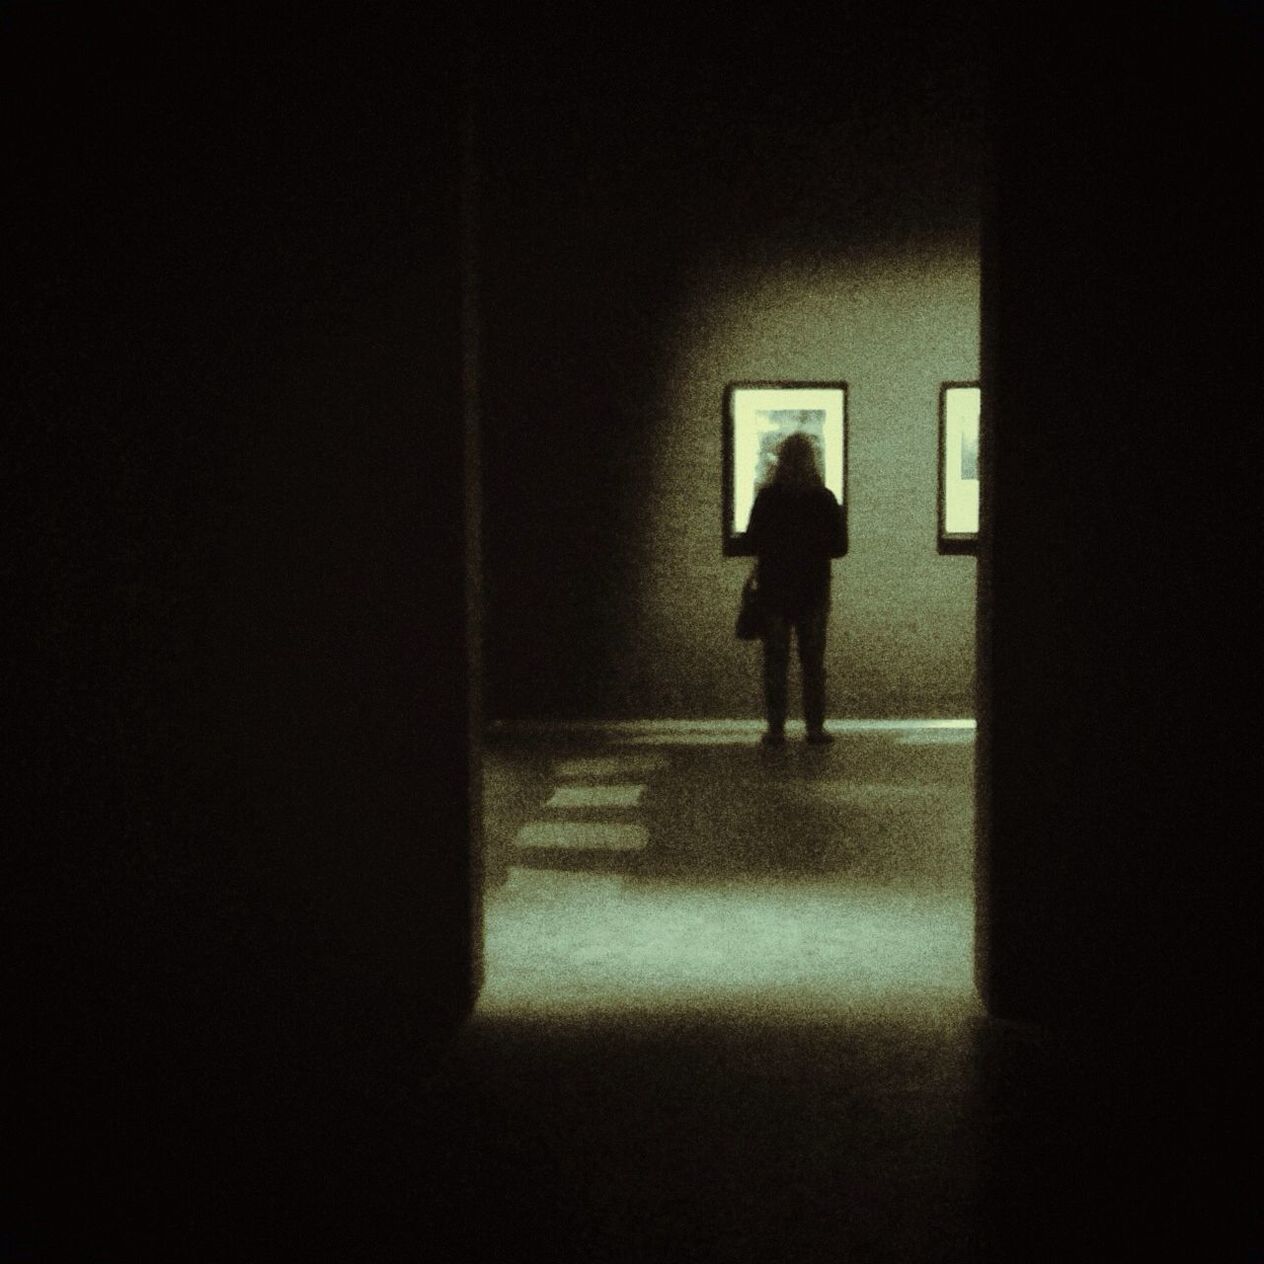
(733, 945)
(550, 884)
(937, 737)
(617, 796)
(610, 766)
(582, 836)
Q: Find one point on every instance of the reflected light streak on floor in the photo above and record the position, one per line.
(610, 766)
(616, 796)
(642, 733)
(620, 729)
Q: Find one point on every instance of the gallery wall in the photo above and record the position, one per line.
(664, 213)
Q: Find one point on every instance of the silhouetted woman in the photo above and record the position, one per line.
(796, 526)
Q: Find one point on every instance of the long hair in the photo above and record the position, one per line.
(797, 470)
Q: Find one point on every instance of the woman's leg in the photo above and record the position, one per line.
(810, 633)
(776, 667)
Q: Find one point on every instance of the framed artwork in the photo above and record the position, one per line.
(959, 404)
(757, 416)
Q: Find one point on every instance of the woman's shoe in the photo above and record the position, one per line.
(774, 737)
(819, 737)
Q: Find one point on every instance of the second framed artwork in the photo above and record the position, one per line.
(959, 406)
(757, 416)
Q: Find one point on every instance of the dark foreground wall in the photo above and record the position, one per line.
(1120, 448)
(675, 201)
(240, 721)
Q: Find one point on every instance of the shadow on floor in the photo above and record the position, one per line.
(865, 810)
(653, 1139)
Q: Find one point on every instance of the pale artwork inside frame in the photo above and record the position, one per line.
(762, 417)
(961, 460)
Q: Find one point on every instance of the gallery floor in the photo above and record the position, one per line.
(730, 1015)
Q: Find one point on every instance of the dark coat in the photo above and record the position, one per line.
(794, 534)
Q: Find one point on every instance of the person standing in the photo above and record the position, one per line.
(796, 527)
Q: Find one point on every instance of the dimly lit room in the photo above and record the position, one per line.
(415, 854)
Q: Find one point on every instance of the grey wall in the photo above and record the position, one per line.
(664, 213)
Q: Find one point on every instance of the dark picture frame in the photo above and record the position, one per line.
(757, 415)
(959, 406)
